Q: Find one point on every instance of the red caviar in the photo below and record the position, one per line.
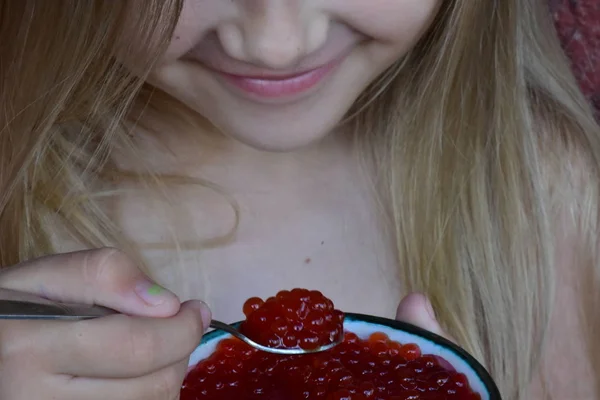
(292, 319)
(372, 369)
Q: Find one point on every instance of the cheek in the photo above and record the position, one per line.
(389, 21)
(196, 19)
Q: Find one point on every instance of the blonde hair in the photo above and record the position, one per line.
(479, 138)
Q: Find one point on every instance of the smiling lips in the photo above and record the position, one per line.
(261, 84)
(280, 86)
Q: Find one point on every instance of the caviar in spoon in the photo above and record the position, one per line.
(299, 319)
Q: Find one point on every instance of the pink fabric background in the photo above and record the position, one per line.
(578, 25)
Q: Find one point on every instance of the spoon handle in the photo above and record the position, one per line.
(42, 309)
(48, 310)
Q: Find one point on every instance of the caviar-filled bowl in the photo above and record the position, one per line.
(379, 358)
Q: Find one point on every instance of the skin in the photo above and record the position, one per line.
(282, 159)
(283, 37)
(120, 356)
(307, 215)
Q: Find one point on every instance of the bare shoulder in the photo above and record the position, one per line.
(567, 370)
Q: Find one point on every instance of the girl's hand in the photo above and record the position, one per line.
(139, 354)
(416, 309)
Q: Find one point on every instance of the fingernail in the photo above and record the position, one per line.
(151, 293)
(205, 313)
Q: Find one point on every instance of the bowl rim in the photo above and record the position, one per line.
(475, 365)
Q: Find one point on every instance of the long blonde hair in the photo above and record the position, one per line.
(473, 136)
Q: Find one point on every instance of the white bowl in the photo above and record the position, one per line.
(364, 325)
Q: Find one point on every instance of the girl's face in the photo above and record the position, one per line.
(280, 74)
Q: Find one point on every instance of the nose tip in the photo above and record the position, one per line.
(276, 48)
(276, 38)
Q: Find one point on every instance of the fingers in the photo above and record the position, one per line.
(416, 309)
(164, 384)
(134, 356)
(105, 277)
(118, 346)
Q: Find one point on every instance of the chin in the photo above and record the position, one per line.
(279, 138)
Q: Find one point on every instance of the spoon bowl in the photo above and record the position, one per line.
(232, 330)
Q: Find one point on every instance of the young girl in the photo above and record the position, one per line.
(376, 150)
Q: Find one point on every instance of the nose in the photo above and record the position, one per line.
(274, 34)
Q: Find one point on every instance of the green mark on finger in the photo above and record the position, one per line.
(155, 290)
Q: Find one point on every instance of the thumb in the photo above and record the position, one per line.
(416, 309)
(105, 277)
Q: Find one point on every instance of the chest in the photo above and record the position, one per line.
(320, 229)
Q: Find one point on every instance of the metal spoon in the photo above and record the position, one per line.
(48, 310)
